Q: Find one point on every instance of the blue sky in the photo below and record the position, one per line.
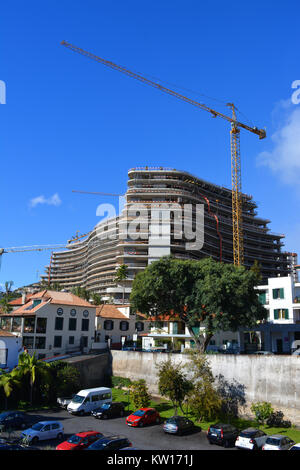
(71, 123)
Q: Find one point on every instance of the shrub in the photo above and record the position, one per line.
(139, 394)
(276, 420)
(119, 382)
(262, 411)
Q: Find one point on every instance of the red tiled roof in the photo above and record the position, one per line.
(110, 311)
(19, 301)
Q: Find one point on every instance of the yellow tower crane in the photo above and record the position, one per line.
(237, 222)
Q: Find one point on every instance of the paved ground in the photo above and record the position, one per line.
(146, 438)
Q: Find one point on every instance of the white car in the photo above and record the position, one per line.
(278, 442)
(251, 439)
(43, 430)
(295, 447)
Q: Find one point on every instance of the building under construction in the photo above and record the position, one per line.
(91, 262)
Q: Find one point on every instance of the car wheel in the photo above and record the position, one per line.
(81, 413)
(226, 444)
(157, 420)
(60, 435)
(141, 424)
(121, 413)
(104, 416)
(34, 440)
(211, 442)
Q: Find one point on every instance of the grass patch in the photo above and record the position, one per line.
(165, 409)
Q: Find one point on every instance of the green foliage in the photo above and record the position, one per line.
(215, 296)
(276, 419)
(120, 382)
(6, 296)
(139, 394)
(204, 401)
(96, 298)
(32, 368)
(81, 292)
(172, 383)
(262, 411)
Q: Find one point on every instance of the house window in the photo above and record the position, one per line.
(59, 311)
(108, 325)
(41, 325)
(57, 341)
(73, 312)
(278, 293)
(5, 323)
(262, 297)
(71, 339)
(59, 323)
(72, 324)
(29, 325)
(139, 326)
(124, 325)
(85, 313)
(3, 357)
(16, 325)
(40, 342)
(281, 314)
(84, 324)
(28, 342)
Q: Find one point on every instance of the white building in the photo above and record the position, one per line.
(281, 297)
(10, 349)
(51, 323)
(116, 326)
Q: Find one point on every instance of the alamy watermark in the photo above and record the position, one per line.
(296, 95)
(157, 223)
(2, 92)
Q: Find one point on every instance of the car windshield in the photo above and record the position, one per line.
(247, 434)
(78, 399)
(4, 415)
(74, 439)
(139, 413)
(295, 448)
(37, 426)
(215, 430)
(99, 445)
(273, 441)
(172, 421)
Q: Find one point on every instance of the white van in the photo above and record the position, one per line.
(87, 400)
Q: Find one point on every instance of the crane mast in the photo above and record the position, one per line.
(237, 224)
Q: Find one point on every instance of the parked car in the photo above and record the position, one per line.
(143, 416)
(295, 447)
(178, 425)
(14, 420)
(88, 400)
(110, 443)
(263, 353)
(222, 434)
(63, 402)
(278, 442)
(43, 430)
(109, 410)
(251, 439)
(80, 440)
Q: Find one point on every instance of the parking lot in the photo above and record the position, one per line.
(146, 438)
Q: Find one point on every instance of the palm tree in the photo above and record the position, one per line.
(30, 366)
(8, 381)
(121, 276)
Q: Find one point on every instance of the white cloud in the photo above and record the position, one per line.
(284, 158)
(51, 201)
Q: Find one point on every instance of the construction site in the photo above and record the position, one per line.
(232, 230)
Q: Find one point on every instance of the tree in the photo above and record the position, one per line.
(208, 296)
(172, 383)
(8, 381)
(29, 366)
(262, 410)
(139, 394)
(204, 400)
(121, 276)
(6, 296)
(81, 292)
(96, 298)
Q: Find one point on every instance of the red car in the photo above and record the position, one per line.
(143, 416)
(80, 441)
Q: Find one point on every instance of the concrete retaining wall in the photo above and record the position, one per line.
(94, 370)
(275, 379)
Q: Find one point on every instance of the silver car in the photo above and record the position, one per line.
(278, 442)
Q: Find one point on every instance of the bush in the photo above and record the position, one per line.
(139, 394)
(276, 420)
(262, 411)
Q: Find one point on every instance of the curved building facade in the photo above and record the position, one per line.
(165, 208)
